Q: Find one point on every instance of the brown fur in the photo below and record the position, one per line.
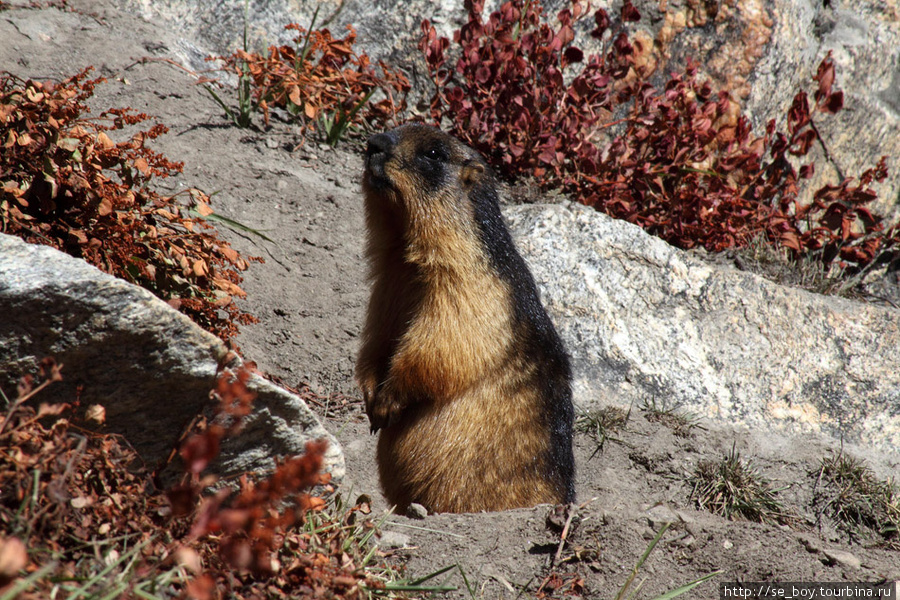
(440, 367)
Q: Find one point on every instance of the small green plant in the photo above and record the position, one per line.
(421, 584)
(243, 118)
(335, 125)
(640, 563)
(682, 424)
(557, 583)
(734, 489)
(849, 491)
(320, 81)
(603, 424)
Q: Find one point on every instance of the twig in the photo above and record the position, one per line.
(828, 157)
(564, 534)
(28, 395)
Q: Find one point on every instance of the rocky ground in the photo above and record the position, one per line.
(310, 294)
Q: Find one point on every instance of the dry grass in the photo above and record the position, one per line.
(681, 423)
(734, 489)
(862, 504)
(603, 424)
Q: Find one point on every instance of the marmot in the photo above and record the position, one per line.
(460, 366)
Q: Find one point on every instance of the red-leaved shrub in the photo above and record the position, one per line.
(680, 161)
(65, 183)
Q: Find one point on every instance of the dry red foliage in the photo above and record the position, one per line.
(248, 520)
(68, 492)
(65, 183)
(321, 76)
(248, 534)
(680, 161)
(62, 487)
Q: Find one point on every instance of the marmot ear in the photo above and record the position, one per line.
(472, 173)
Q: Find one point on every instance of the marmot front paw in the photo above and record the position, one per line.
(383, 408)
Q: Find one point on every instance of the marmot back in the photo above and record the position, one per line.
(460, 366)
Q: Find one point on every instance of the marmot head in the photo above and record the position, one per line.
(424, 189)
(418, 160)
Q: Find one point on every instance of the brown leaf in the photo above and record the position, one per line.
(78, 236)
(104, 141)
(50, 369)
(189, 559)
(825, 77)
(229, 287)
(222, 299)
(33, 95)
(25, 385)
(95, 413)
(105, 207)
(200, 268)
(834, 103)
(12, 188)
(790, 240)
(229, 253)
(51, 410)
(203, 208)
(201, 588)
(13, 558)
(629, 12)
(81, 502)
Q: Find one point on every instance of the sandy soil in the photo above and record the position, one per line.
(310, 296)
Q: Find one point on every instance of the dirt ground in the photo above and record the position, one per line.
(310, 296)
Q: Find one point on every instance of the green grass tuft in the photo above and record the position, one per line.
(681, 423)
(603, 424)
(734, 489)
(849, 491)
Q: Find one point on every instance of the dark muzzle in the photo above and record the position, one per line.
(377, 154)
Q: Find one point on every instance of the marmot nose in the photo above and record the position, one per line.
(377, 154)
(381, 143)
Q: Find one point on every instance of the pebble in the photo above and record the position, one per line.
(416, 511)
(812, 545)
(661, 515)
(841, 557)
(393, 539)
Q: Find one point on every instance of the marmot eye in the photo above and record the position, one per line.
(435, 153)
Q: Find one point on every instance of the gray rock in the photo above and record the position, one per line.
(645, 320)
(660, 515)
(393, 539)
(150, 366)
(812, 543)
(416, 511)
(864, 39)
(384, 29)
(841, 557)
